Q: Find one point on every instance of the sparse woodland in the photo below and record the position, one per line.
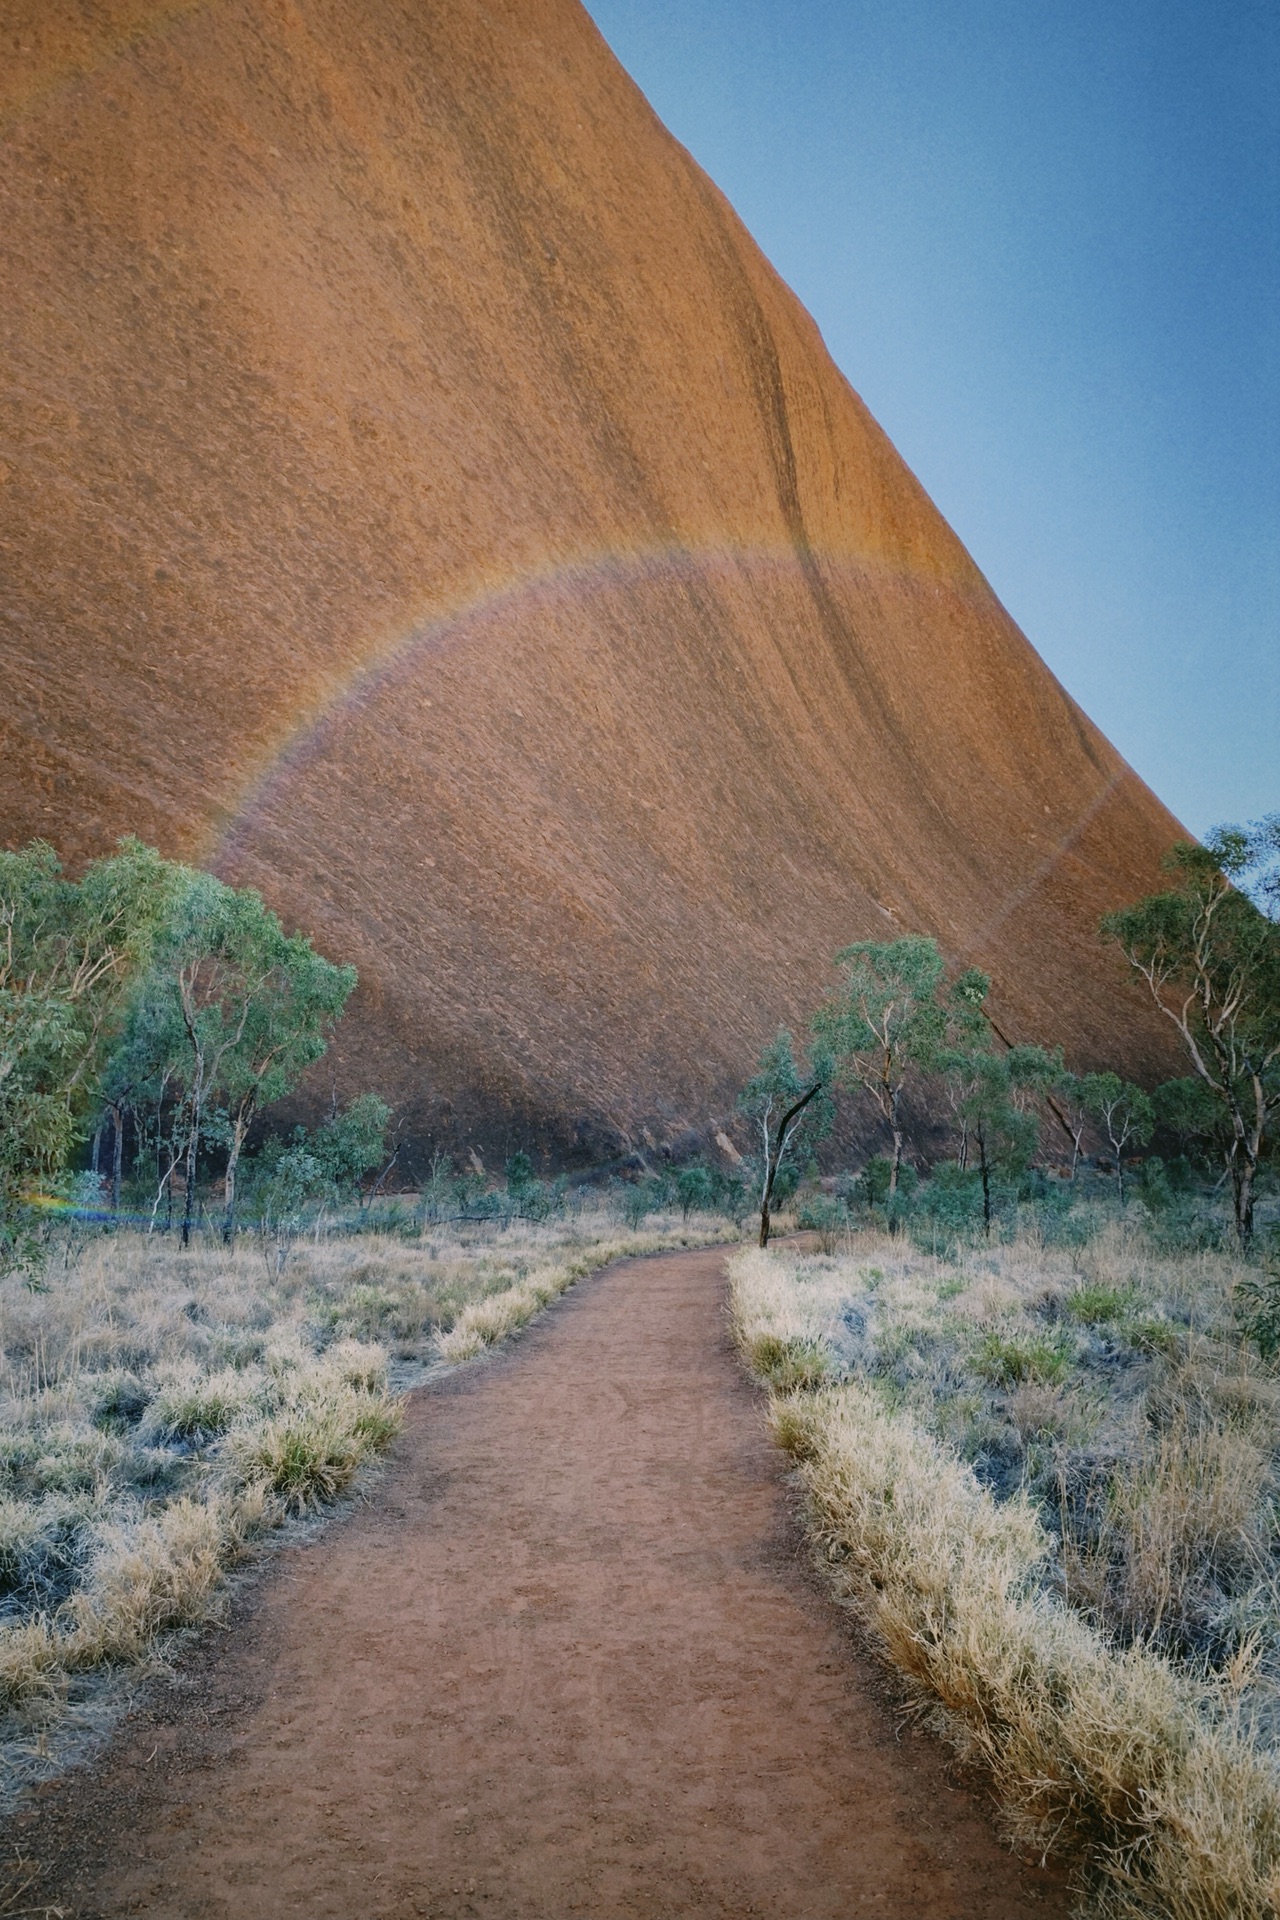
(1028, 1376)
(1031, 1392)
(203, 1343)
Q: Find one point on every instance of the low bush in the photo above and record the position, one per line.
(309, 1454)
(827, 1216)
(1099, 1305)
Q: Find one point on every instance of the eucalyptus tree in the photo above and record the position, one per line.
(294, 999)
(1186, 1110)
(1124, 1113)
(889, 1020)
(992, 1090)
(1071, 1106)
(883, 1021)
(785, 1095)
(230, 1014)
(70, 952)
(1209, 955)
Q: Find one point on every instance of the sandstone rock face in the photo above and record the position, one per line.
(420, 500)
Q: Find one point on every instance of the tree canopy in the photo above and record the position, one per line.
(146, 986)
(1209, 955)
(70, 952)
(785, 1094)
(230, 1013)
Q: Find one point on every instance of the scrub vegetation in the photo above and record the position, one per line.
(1033, 1395)
(1030, 1384)
(1045, 1476)
(161, 1410)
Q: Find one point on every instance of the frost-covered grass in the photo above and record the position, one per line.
(161, 1410)
(1046, 1477)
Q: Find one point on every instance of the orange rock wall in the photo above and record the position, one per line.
(419, 499)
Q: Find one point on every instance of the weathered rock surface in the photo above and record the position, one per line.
(420, 499)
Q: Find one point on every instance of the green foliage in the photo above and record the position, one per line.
(1210, 958)
(1123, 1112)
(826, 1215)
(350, 1144)
(781, 1077)
(289, 1179)
(990, 1094)
(1251, 857)
(69, 954)
(785, 1182)
(874, 1188)
(1257, 1301)
(885, 1021)
(1154, 1188)
(1258, 1304)
(231, 1012)
(1095, 1304)
(695, 1189)
(1072, 1110)
(885, 1014)
(1008, 1360)
(872, 1184)
(310, 1453)
(785, 1097)
(653, 1193)
(1189, 1114)
(788, 1365)
(520, 1175)
(951, 1200)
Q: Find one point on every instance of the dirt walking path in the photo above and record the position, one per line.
(566, 1662)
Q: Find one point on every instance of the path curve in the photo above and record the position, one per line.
(567, 1661)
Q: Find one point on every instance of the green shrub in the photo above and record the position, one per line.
(641, 1197)
(119, 1399)
(695, 1189)
(947, 1209)
(872, 1184)
(826, 1216)
(1258, 1311)
(197, 1406)
(1153, 1187)
(1007, 1360)
(1096, 1305)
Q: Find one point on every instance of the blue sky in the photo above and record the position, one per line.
(1042, 239)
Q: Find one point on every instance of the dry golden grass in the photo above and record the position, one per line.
(1032, 1629)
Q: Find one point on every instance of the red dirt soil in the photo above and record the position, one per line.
(566, 1661)
(420, 499)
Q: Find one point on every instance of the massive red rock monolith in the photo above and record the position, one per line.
(423, 502)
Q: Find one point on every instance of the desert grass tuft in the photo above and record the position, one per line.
(310, 1454)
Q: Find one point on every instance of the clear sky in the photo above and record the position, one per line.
(1042, 239)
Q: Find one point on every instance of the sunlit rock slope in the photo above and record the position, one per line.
(420, 499)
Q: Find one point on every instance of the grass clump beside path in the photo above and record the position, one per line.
(1046, 1480)
(161, 1410)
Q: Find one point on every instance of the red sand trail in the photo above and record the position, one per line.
(566, 1661)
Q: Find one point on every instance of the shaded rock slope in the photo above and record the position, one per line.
(420, 499)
